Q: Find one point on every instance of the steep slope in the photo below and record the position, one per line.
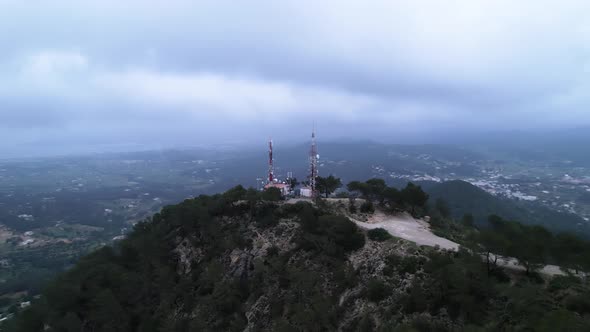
(463, 197)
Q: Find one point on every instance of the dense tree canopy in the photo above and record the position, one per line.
(328, 185)
(272, 194)
(293, 183)
(532, 246)
(412, 196)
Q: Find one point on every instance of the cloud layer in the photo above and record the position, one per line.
(152, 72)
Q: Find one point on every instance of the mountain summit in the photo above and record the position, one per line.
(236, 262)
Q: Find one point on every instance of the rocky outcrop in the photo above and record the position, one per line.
(187, 256)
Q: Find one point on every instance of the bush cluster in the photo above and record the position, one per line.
(379, 235)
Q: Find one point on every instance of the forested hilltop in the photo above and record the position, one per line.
(246, 261)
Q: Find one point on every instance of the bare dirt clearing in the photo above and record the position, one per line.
(405, 226)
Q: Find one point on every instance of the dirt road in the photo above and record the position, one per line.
(406, 227)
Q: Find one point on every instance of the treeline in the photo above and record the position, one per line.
(411, 198)
(533, 246)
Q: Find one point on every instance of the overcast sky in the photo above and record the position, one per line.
(160, 73)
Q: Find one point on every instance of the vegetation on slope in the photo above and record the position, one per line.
(234, 261)
(411, 197)
(463, 197)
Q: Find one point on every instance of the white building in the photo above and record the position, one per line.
(306, 192)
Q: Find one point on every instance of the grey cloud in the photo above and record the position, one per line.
(25, 113)
(383, 69)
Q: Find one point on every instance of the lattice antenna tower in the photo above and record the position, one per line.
(313, 164)
(271, 171)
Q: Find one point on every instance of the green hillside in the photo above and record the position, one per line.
(235, 262)
(463, 197)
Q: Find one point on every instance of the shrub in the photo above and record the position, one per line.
(329, 234)
(343, 194)
(377, 291)
(272, 194)
(365, 324)
(235, 194)
(267, 221)
(308, 219)
(388, 270)
(352, 206)
(289, 210)
(558, 283)
(415, 301)
(468, 220)
(424, 323)
(579, 303)
(367, 207)
(409, 264)
(500, 275)
(273, 251)
(379, 235)
(343, 232)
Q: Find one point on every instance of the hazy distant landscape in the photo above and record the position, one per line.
(67, 206)
(171, 166)
(110, 191)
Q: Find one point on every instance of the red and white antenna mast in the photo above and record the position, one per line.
(313, 164)
(270, 165)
